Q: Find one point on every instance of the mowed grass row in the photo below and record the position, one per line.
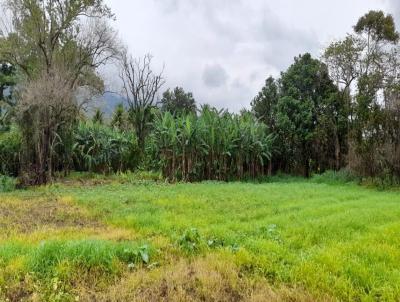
(294, 240)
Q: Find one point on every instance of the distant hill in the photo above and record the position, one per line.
(108, 101)
(111, 100)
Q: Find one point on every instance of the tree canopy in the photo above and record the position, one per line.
(178, 102)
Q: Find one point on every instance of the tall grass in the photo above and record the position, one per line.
(99, 148)
(7, 184)
(215, 145)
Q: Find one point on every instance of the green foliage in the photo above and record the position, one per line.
(53, 63)
(302, 109)
(190, 241)
(98, 117)
(342, 176)
(7, 184)
(271, 232)
(323, 237)
(11, 250)
(214, 145)
(100, 148)
(33, 51)
(264, 104)
(374, 132)
(85, 254)
(378, 25)
(120, 118)
(178, 102)
(7, 83)
(10, 151)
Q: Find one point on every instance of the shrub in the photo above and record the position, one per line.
(336, 177)
(10, 149)
(190, 241)
(7, 184)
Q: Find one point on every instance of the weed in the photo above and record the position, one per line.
(7, 184)
(190, 241)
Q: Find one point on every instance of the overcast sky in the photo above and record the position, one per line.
(223, 50)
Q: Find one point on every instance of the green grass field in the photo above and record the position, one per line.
(123, 239)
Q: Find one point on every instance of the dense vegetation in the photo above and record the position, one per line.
(213, 145)
(341, 111)
(272, 212)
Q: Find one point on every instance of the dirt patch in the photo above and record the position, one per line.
(28, 215)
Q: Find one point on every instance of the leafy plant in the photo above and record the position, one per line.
(10, 150)
(271, 232)
(190, 241)
(103, 149)
(132, 256)
(215, 145)
(7, 184)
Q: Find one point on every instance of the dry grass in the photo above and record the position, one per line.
(209, 278)
(30, 215)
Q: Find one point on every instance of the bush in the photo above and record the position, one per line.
(336, 177)
(7, 184)
(190, 241)
(10, 150)
(103, 149)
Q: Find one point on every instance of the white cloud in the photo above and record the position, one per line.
(222, 50)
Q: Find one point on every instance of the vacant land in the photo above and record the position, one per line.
(124, 239)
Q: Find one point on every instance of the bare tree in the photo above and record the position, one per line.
(140, 88)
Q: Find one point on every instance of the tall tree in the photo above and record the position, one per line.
(62, 43)
(305, 89)
(178, 102)
(264, 108)
(374, 147)
(7, 82)
(342, 59)
(140, 87)
(47, 34)
(263, 105)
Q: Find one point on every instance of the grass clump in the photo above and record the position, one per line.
(100, 255)
(343, 176)
(7, 184)
(10, 251)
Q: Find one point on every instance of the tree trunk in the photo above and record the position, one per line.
(337, 151)
(269, 167)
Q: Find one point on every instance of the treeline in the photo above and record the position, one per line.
(213, 145)
(339, 111)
